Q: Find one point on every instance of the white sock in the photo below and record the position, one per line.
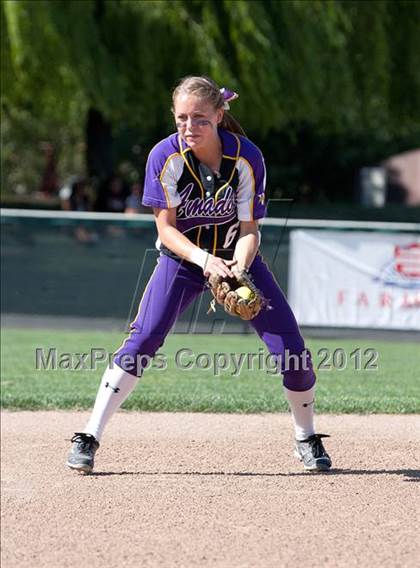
(115, 387)
(302, 408)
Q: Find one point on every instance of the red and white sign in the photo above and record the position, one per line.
(408, 260)
(355, 279)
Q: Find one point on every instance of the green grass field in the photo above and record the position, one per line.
(391, 388)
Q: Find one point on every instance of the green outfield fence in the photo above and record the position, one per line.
(49, 270)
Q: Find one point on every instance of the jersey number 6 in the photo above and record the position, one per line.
(230, 235)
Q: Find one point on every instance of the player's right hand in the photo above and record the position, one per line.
(218, 266)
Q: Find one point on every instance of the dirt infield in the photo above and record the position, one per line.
(209, 490)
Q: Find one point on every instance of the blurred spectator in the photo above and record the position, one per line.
(133, 201)
(74, 196)
(112, 195)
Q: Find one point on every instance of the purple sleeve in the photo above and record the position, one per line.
(161, 179)
(260, 207)
(251, 188)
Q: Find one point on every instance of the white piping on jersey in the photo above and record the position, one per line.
(195, 177)
(238, 149)
(189, 167)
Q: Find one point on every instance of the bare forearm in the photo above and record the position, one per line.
(246, 249)
(179, 244)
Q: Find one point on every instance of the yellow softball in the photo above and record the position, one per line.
(245, 293)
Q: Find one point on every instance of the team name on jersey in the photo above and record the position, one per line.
(210, 207)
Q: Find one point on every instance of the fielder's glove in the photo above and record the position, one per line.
(225, 294)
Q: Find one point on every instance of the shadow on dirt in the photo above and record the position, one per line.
(409, 474)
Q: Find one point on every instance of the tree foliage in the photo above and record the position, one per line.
(340, 66)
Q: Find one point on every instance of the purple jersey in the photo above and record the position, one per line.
(209, 206)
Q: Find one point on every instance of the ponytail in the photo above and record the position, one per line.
(230, 123)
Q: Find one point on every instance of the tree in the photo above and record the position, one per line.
(337, 67)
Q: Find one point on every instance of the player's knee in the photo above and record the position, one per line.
(297, 370)
(147, 343)
(138, 351)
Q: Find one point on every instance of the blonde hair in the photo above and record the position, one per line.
(206, 89)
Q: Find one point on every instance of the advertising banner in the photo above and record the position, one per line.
(355, 279)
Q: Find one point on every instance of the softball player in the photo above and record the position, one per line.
(206, 186)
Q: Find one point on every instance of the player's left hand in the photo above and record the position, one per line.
(238, 295)
(216, 266)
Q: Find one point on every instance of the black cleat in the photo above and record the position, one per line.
(312, 453)
(81, 457)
